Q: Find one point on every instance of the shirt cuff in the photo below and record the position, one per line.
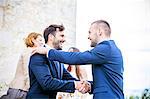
(47, 53)
(75, 85)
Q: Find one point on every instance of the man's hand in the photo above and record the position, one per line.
(83, 86)
(40, 50)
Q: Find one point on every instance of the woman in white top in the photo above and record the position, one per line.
(20, 84)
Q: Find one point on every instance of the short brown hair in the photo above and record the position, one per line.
(28, 40)
(51, 30)
(105, 25)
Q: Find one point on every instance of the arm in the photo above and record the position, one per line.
(19, 69)
(39, 67)
(97, 55)
(18, 73)
(26, 59)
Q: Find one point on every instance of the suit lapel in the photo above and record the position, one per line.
(53, 69)
(59, 69)
(56, 69)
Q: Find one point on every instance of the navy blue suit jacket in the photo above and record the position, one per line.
(107, 68)
(45, 80)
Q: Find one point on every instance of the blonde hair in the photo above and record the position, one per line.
(28, 40)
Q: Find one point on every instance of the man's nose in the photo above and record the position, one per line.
(63, 40)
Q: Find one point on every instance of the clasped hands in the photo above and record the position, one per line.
(83, 86)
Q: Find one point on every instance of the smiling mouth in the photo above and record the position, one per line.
(61, 43)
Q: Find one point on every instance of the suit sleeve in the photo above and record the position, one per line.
(91, 92)
(43, 75)
(97, 55)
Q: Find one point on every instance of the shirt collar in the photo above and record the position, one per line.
(47, 46)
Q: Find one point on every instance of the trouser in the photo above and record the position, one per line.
(15, 94)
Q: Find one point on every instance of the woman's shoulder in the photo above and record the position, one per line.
(26, 51)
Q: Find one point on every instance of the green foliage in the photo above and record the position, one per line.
(146, 94)
(3, 85)
(134, 97)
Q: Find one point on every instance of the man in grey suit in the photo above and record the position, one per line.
(105, 57)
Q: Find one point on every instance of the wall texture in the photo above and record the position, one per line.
(20, 17)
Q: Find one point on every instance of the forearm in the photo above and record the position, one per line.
(72, 58)
(60, 85)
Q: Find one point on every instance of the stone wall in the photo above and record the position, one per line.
(20, 17)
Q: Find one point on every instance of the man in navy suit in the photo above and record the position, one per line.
(49, 77)
(105, 57)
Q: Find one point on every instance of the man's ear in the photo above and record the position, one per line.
(99, 32)
(50, 37)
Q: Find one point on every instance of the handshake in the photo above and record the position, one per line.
(83, 86)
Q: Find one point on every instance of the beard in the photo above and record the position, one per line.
(93, 44)
(57, 45)
(59, 48)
